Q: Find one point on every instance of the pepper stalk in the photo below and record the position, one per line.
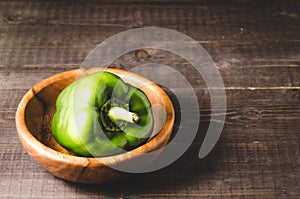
(118, 113)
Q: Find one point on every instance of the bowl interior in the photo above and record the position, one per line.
(41, 107)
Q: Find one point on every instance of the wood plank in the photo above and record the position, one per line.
(59, 38)
(252, 109)
(260, 77)
(264, 177)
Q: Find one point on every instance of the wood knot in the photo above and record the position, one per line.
(114, 66)
(252, 113)
(142, 55)
(224, 65)
(136, 24)
(15, 18)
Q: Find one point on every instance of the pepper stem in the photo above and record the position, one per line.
(118, 113)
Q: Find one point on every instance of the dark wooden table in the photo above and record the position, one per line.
(255, 45)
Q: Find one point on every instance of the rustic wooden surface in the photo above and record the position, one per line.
(256, 47)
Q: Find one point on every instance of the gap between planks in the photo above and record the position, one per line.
(257, 88)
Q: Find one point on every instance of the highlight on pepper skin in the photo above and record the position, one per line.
(101, 115)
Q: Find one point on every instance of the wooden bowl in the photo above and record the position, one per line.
(33, 122)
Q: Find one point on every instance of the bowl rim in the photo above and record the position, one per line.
(33, 144)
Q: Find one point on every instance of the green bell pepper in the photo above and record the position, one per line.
(101, 115)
